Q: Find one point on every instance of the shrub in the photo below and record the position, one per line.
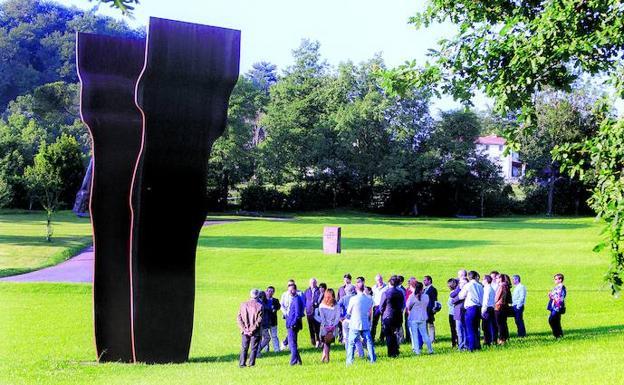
(260, 198)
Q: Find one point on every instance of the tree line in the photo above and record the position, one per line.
(309, 137)
(316, 136)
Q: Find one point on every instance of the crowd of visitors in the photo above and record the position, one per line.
(478, 309)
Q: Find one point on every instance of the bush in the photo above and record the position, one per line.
(570, 198)
(260, 198)
(311, 197)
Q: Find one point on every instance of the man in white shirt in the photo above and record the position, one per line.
(378, 290)
(487, 312)
(494, 274)
(472, 294)
(358, 312)
(518, 299)
(344, 317)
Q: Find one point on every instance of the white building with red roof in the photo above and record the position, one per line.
(494, 148)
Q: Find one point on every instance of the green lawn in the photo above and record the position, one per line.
(46, 329)
(23, 246)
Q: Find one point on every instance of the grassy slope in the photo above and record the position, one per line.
(23, 246)
(46, 336)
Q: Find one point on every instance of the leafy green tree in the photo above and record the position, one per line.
(20, 139)
(5, 191)
(452, 143)
(294, 117)
(365, 135)
(233, 155)
(487, 179)
(37, 43)
(604, 152)
(56, 108)
(510, 51)
(408, 167)
(45, 184)
(55, 175)
(263, 75)
(125, 6)
(560, 118)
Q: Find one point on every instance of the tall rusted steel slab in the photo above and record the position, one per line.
(108, 68)
(183, 93)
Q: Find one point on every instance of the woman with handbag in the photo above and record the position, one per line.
(502, 308)
(556, 305)
(328, 315)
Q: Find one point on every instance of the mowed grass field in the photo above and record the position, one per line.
(23, 246)
(46, 334)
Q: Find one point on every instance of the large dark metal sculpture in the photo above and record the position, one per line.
(183, 92)
(81, 204)
(108, 68)
(181, 100)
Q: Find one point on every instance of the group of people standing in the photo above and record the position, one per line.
(353, 315)
(476, 306)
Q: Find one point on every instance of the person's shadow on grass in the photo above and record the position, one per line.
(543, 337)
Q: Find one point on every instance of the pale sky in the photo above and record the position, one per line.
(347, 29)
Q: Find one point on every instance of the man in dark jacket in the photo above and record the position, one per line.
(432, 292)
(274, 306)
(249, 323)
(391, 308)
(296, 311)
(312, 301)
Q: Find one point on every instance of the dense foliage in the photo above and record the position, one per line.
(311, 136)
(512, 50)
(333, 137)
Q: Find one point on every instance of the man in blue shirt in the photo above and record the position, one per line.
(518, 299)
(359, 312)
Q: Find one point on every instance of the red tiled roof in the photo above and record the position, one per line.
(491, 139)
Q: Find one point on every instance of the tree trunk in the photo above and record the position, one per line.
(482, 204)
(225, 189)
(551, 192)
(49, 226)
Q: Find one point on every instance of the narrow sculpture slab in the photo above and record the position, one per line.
(183, 93)
(108, 68)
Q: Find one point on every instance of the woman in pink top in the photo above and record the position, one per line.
(417, 317)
